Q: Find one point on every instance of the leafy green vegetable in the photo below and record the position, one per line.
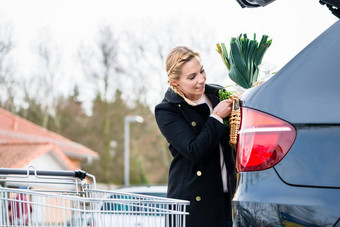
(244, 57)
(224, 94)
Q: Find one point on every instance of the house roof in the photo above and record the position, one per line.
(14, 129)
(19, 155)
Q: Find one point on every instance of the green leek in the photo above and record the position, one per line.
(244, 58)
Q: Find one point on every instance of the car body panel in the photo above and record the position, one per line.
(314, 159)
(306, 89)
(265, 200)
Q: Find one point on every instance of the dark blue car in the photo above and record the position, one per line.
(288, 151)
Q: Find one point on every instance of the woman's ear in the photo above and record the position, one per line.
(174, 83)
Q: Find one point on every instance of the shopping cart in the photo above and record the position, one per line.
(70, 198)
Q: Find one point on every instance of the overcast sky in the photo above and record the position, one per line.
(292, 24)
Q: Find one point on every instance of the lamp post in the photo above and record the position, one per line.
(127, 121)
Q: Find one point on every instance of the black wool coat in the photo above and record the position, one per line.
(195, 171)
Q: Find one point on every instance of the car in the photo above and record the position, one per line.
(151, 190)
(131, 193)
(288, 149)
(79, 221)
(142, 206)
(332, 5)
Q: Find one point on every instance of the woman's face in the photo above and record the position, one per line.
(192, 79)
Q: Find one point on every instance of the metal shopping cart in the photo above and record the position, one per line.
(67, 198)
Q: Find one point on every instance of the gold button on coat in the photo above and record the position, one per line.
(179, 105)
(198, 198)
(199, 173)
(193, 123)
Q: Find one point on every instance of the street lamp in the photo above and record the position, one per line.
(127, 121)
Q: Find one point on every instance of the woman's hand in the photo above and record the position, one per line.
(223, 109)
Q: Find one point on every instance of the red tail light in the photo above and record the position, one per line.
(263, 140)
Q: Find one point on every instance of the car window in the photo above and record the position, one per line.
(122, 206)
(159, 194)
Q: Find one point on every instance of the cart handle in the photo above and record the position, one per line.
(76, 173)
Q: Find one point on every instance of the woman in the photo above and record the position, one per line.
(190, 118)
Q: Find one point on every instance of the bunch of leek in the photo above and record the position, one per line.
(244, 58)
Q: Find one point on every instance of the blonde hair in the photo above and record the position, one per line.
(177, 57)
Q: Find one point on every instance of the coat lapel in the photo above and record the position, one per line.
(212, 92)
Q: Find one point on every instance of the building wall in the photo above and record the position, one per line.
(46, 162)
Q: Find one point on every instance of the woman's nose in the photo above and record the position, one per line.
(201, 78)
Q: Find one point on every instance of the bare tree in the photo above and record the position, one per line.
(102, 67)
(148, 48)
(49, 76)
(6, 44)
(6, 75)
(100, 63)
